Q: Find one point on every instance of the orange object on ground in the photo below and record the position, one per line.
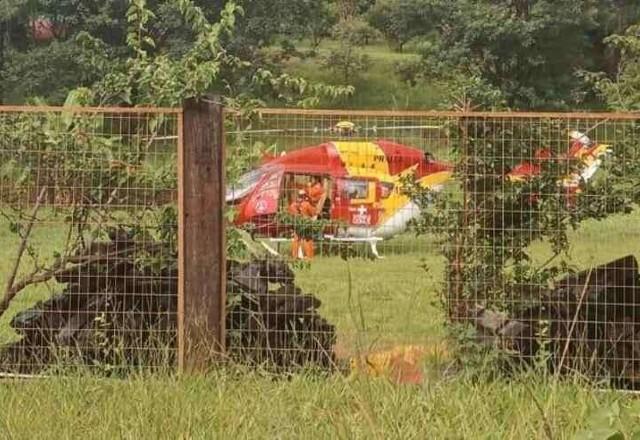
(401, 364)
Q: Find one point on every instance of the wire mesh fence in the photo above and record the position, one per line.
(376, 231)
(505, 219)
(88, 205)
(543, 257)
(329, 195)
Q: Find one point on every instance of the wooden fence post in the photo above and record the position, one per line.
(202, 256)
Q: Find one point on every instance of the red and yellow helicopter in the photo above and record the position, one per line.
(363, 184)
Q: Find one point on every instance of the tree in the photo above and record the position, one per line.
(489, 224)
(622, 90)
(401, 20)
(529, 49)
(346, 60)
(323, 18)
(59, 144)
(53, 67)
(611, 17)
(50, 67)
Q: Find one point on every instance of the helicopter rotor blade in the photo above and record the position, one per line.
(273, 131)
(330, 130)
(408, 127)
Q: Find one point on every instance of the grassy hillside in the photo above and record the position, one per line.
(379, 87)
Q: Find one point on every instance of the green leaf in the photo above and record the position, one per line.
(15, 227)
(9, 169)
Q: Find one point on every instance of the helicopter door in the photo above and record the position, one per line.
(264, 200)
(355, 202)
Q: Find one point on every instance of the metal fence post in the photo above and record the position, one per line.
(202, 256)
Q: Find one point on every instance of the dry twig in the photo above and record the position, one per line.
(9, 290)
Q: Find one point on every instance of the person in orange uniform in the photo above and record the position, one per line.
(316, 193)
(302, 207)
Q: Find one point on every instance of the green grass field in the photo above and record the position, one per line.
(392, 301)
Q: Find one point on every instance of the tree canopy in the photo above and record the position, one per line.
(91, 42)
(529, 49)
(539, 54)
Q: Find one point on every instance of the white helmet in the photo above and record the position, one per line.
(580, 137)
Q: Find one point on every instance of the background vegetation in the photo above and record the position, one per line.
(517, 54)
(522, 54)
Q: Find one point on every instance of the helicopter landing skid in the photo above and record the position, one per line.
(371, 241)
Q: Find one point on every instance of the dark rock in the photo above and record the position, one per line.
(115, 312)
(589, 323)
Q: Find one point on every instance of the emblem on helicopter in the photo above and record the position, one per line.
(361, 217)
(261, 207)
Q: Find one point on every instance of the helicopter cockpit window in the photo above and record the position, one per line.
(244, 185)
(294, 183)
(356, 189)
(386, 190)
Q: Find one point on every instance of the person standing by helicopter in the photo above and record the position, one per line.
(302, 207)
(317, 194)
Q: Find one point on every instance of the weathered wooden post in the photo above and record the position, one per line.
(202, 259)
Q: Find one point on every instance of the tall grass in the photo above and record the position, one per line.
(242, 404)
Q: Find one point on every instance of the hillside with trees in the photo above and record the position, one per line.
(520, 54)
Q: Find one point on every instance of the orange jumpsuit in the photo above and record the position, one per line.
(305, 209)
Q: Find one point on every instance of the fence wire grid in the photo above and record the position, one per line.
(520, 226)
(88, 219)
(377, 232)
(326, 194)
